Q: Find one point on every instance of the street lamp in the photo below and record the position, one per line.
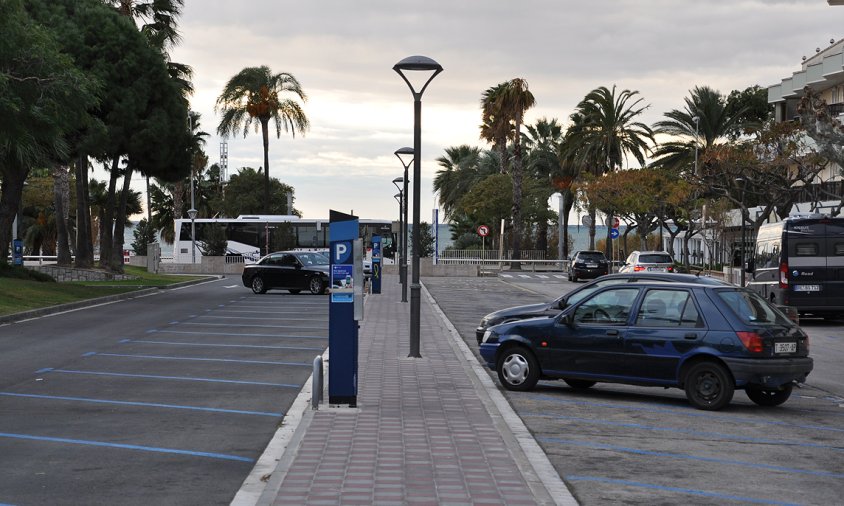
(192, 211)
(416, 64)
(401, 261)
(406, 157)
(743, 182)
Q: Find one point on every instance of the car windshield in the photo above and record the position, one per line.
(590, 256)
(312, 259)
(655, 258)
(752, 308)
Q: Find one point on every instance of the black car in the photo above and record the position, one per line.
(588, 264)
(553, 308)
(706, 339)
(288, 270)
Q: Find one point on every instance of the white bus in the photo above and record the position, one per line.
(253, 236)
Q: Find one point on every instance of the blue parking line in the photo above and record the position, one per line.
(683, 456)
(280, 336)
(687, 412)
(178, 378)
(220, 456)
(296, 327)
(200, 359)
(143, 404)
(705, 434)
(688, 491)
(224, 345)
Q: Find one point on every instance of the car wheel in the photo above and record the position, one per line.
(579, 384)
(316, 286)
(258, 285)
(294, 292)
(574, 277)
(709, 386)
(769, 397)
(518, 369)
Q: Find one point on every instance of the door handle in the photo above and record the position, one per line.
(690, 335)
(612, 332)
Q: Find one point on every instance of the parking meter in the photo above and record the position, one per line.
(376, 264)
(17, 252)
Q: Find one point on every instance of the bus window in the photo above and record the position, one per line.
(806, 249)
(838, 249)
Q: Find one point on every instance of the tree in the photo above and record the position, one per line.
(144, 234)
(826, 131)
(605, 132)
(214, 242)
(543, 142)
(42, 93)
(240, 197)
(426, 240)
(256, 95)
(495, 127)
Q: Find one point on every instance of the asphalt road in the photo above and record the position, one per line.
(636, 445)
(163, 399)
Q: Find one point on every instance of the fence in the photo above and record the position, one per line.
(489, 259)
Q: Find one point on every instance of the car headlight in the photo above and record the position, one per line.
(489, 337)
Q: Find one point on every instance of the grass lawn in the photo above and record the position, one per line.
(21, 295)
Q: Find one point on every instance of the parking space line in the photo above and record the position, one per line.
(178, 378)
(297, 327)
(224, 345)
(281, 336)
(688, 491)
(560, 276)
(200, 359)
(220, 456)
(684, 412)
(729, 437)
(143, 404)
(683, 456)
(257, 318)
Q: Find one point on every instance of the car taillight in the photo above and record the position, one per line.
(751, 340)
(783, 275)
(637, 268)
(671, 269)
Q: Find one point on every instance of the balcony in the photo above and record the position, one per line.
(835, 109)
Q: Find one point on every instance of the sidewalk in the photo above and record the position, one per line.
(430, 430)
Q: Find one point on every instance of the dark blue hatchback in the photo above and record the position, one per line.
(706, 339)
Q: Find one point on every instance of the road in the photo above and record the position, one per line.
(637, 445)
(163, 399)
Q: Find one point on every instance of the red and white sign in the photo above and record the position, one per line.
(483, 230)
(616, 222)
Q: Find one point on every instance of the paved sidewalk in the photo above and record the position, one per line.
(430, 430)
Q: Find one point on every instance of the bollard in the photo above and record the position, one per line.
(316, 383)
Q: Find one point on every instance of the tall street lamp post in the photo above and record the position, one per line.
(406, 157)
(401, 262)
(416, 64)
(743, 183)
(192, 211)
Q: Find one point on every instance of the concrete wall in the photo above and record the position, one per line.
(206, 265)
(62, 274)
(427, 268)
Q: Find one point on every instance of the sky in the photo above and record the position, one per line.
(342, 53)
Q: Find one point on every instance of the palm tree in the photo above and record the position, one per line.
(515, 99)
(705, 120)
(254, 95)
(605, 132)
(460, 171)
(542, 142)
(496, 128)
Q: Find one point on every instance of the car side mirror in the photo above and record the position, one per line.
(566, 319)
(562, 304)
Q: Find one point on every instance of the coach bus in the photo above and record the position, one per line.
(252, 236)
(799, 262)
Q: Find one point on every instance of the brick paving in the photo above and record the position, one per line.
(421, 433)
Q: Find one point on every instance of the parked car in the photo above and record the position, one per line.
(588, 264)
(649, 261)
(553, 308)
(707, 339)
(288, 270)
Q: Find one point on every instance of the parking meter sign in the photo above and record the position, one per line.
(483, 230)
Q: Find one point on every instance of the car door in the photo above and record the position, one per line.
(667, 326)
(591, 339)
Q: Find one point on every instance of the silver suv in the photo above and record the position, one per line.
(648, 261)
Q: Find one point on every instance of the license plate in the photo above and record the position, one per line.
(592, 266)
(656, 269)
(785, 347)
(807, 288)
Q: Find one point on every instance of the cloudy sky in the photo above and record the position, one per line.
(361, 111)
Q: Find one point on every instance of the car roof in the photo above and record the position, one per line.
(666, 276)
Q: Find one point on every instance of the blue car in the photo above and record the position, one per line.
(706, 339)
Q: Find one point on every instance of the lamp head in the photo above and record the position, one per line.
(192, 213)
(405, 156)
(417, 64)
(398, 180)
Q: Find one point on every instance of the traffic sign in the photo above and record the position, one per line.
(616, 222)
(614, 233)
(483, 230)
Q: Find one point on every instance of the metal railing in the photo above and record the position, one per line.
(489, 259)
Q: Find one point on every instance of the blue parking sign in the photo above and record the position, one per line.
(614, 233)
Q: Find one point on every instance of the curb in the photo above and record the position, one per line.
(80, 304)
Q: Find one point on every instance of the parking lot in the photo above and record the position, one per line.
(167, 399)
(639, 445)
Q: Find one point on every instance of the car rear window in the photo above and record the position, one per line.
(591, 256)
(655, 259)
(751, 308)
